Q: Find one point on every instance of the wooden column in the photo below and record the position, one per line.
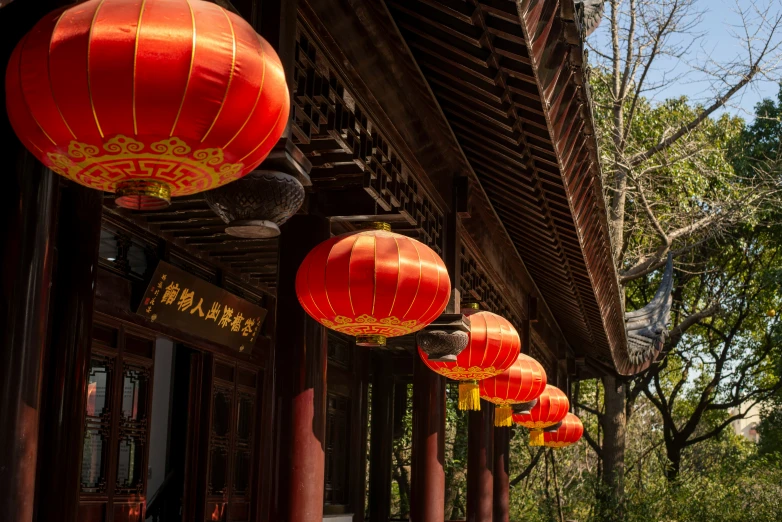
(27, 213)
(300, 374)
(480, 463)
(382, 439)
(68, 352)
(427, 503)
(28, 208)
(502, 438)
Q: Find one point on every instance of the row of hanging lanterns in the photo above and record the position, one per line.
(550, 410)
(374, 284)
(492, 348)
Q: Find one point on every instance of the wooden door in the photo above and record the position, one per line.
(116, 428)
(346, 428)
(232, 442)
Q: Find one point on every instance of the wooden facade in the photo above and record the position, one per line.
(465, 124)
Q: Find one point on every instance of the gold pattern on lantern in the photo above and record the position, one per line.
(557, 444)
(170, 160)
(366, 325)
(457, 373)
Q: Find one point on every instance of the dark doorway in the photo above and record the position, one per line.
(167, 471)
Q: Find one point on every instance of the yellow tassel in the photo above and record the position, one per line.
(469, 396)
(536, 438)
(503, 417)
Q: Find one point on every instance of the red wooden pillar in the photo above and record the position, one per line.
(480, 463)
(427, 503)
(501, 479)
(68, 353)
(28, 213)
(300, 375)
(27, 246)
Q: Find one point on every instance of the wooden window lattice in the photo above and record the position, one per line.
(476, 287)
(330, 126)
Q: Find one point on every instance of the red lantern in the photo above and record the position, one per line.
(551, 408)
(373, 284)
(494, 346)
(147, 98)
(524, 381)
(568, 433)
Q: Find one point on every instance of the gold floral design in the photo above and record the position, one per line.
(122, 158)
(171, 146)
(122, 145)
(209, 156)
(502, 402)
(536, 425)
(457, 373)
(367, 325)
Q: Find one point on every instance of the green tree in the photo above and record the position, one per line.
(669, 187)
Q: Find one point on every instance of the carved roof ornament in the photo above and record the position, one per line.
(591, 14)
(648, 326)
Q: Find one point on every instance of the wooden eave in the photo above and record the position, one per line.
(375, 65)
(510, 79)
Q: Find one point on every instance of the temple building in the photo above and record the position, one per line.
(130, 392)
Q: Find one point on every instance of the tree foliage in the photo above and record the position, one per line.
(680, 177)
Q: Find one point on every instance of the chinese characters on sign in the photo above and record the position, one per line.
(181, 300)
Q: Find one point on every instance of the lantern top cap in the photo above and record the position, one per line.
(379, 225)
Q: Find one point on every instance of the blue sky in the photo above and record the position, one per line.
(718, 21)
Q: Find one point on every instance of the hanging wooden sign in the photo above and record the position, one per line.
(181, 300)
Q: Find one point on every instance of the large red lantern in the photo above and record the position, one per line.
(373, 284)
(552, 407)
(147, 98)
(524, 381)
(493, 347)
(568, 433)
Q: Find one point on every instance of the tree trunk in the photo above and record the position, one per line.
(614, 424)
(402, 479)
(674, 463)
(457, 473)
(452, 491)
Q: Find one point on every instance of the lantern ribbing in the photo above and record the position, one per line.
(493, 347)
(524, 381)
(372, 285)
(147, 98)
(551, 408)
(568, 433)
